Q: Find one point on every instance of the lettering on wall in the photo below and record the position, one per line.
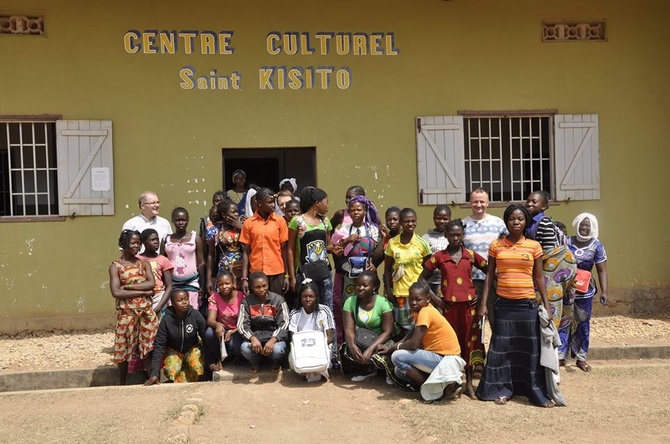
(268, 77)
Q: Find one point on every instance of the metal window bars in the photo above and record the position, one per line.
(28, 170)
(508, 156)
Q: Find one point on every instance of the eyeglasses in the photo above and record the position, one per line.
(152, 203)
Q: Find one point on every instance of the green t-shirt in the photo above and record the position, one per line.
(369, 319)
(311, 241)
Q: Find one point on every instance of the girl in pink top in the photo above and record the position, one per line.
(185, 250)
(223, 311)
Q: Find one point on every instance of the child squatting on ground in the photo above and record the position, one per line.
(177, 344)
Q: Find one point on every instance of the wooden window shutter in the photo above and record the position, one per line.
(85, 167)
(440, 160)
(576, 157)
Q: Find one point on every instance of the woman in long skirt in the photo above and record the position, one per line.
(513, 361)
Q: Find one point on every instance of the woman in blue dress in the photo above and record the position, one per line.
(589, 252)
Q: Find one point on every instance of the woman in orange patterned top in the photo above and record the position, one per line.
(513, 361)
(131, 283)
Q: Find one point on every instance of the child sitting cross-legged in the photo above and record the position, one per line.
(177, 344)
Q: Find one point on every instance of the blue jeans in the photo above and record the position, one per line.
(326, 292)
(404, 360)
(277, 356)
(212, 346)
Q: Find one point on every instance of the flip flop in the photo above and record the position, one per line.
(453, 394)
(409, 388)
(583, 366)
(501, 400)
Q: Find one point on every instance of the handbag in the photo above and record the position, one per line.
(357, 265)
(236, 268)
(398, 273)
(316, 270)
(364, 337)
(582, 281)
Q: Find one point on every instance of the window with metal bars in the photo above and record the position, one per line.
(28, 169)
(509, 156)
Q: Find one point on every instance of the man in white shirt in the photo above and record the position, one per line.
(148, 217)
(480, 230)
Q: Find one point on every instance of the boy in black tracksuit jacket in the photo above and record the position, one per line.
(263, 322)
(177, 345)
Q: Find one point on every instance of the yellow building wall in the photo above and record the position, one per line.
(455, 55)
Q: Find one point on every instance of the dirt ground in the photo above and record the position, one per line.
(61, 350)
(616, 403)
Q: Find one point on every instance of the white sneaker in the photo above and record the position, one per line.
(361, 378)
(389, 381)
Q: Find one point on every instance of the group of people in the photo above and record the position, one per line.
(260, 271)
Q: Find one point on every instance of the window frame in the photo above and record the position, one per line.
(33, 118)
(511, 114)
(574, 157)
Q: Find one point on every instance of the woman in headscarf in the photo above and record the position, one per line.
(589, 252)
(289, 184)
(238, 193)
(250, 204)
(360, 242)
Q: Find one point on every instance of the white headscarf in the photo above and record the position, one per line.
(593, 233)
(290, 180)
(248, 211)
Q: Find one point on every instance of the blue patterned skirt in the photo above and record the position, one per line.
(513, 360)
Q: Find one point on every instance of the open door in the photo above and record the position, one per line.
(265, 167)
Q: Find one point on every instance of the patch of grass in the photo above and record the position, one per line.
(173, 412)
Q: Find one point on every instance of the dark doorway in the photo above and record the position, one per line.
(265, 167)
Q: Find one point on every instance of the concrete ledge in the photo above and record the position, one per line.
(240, 374)
(62, 379)
(109, 376)
(66, 323)
(630, 352)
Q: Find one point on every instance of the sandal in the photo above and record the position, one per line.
(361, 378)
(583, 366)
(409, 388)
(453, 391)
(253, 370)
(501, 400)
